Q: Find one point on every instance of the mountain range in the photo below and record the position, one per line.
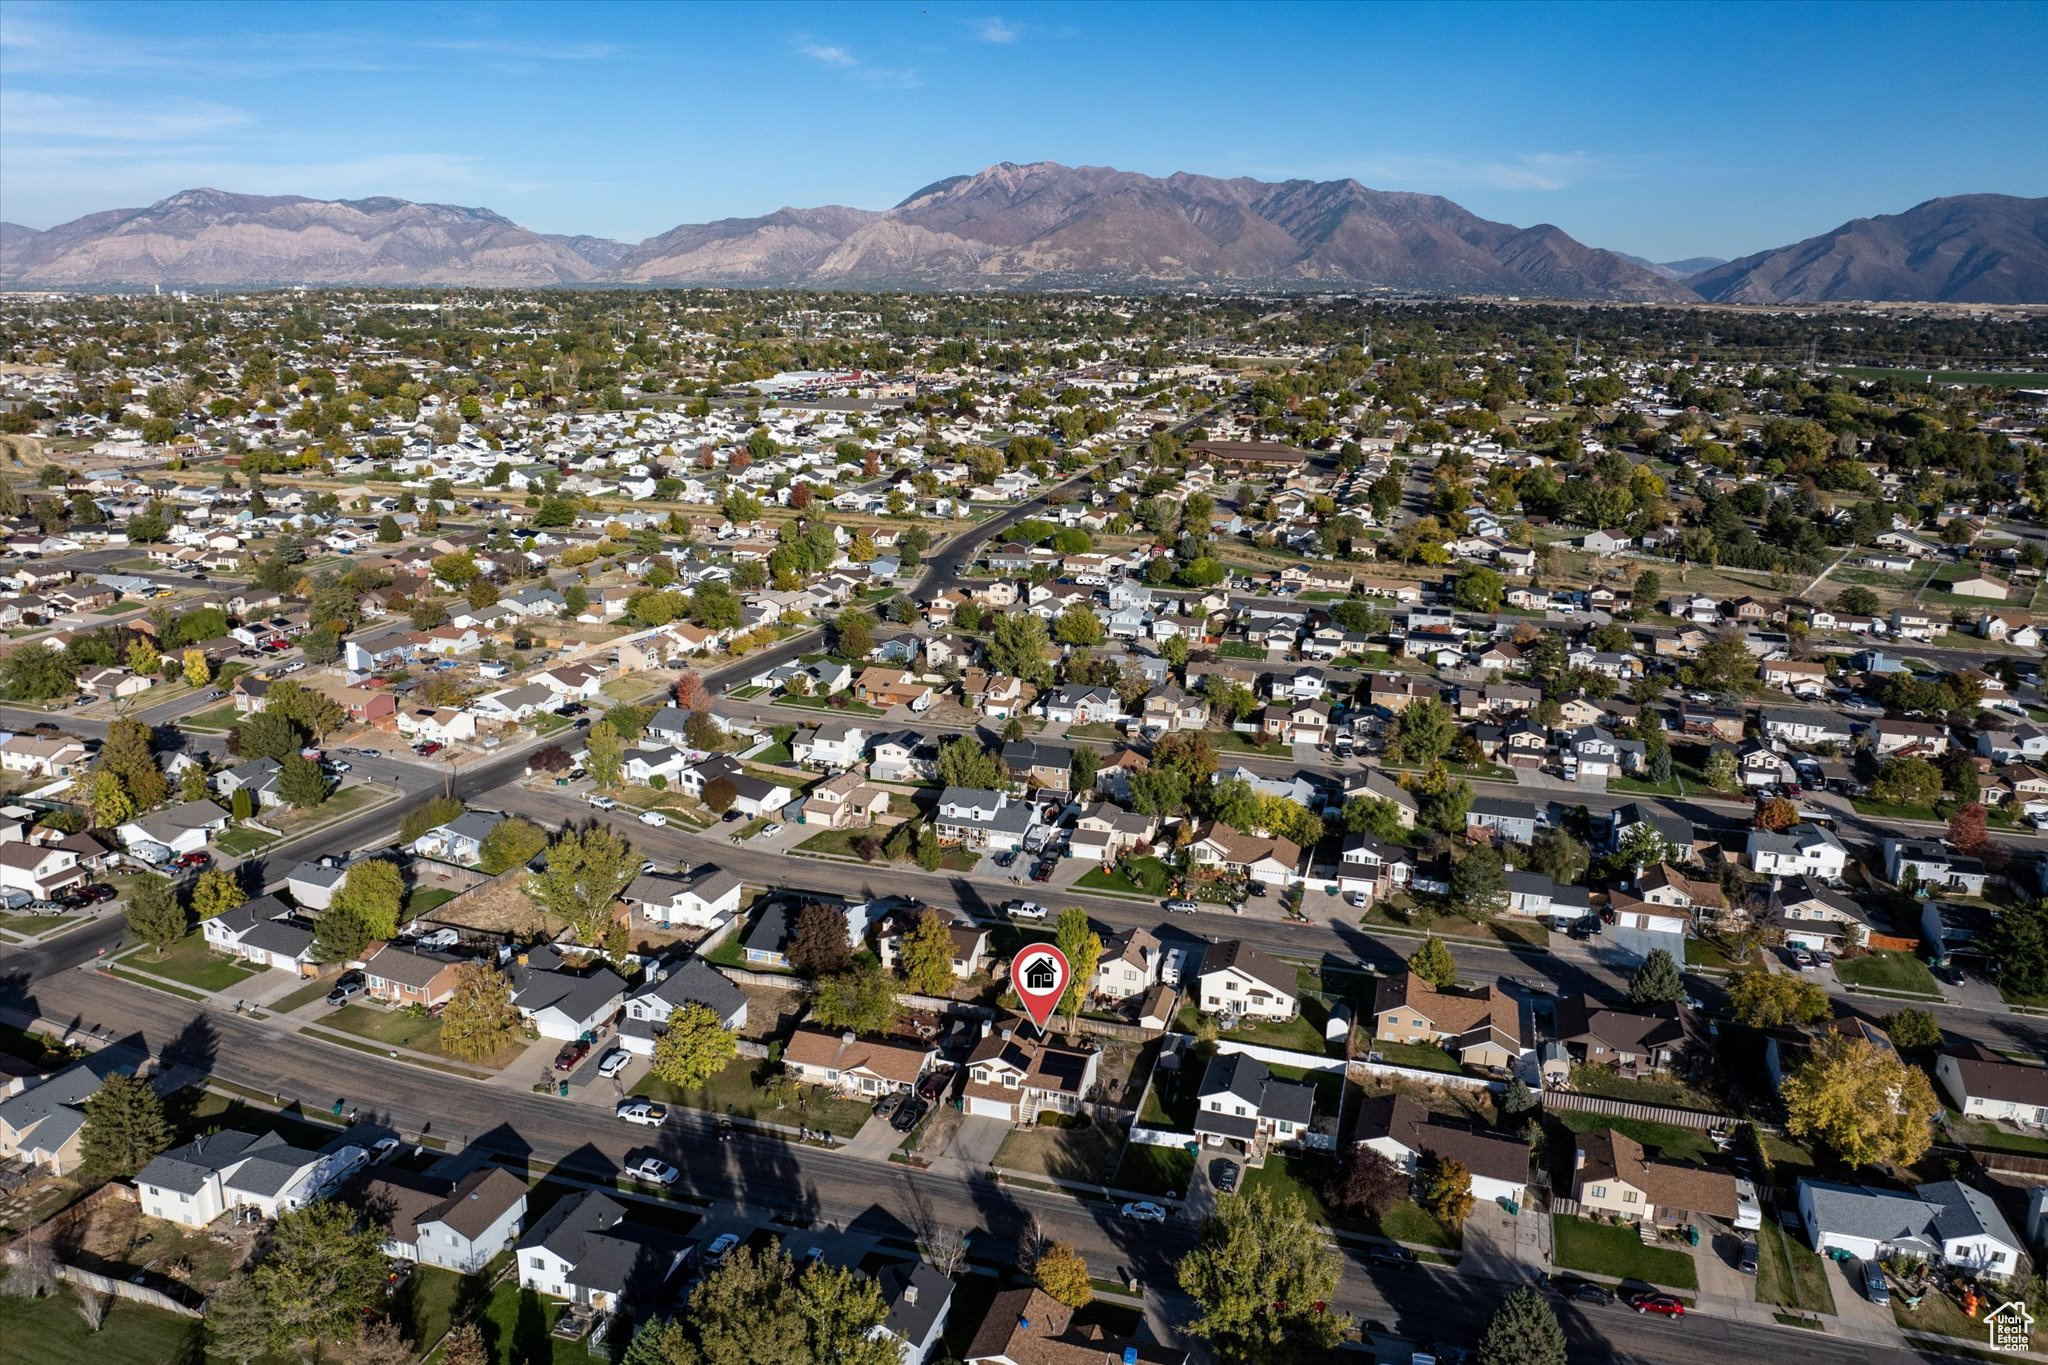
(1035, 226)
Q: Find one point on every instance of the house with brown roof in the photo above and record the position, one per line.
(844, 802)
(846, 1061)
(1262, 858)
(399, 975)
(1632, 1041)
(1013, 1078)
(1406, 1133)
(1986, 1086)
(886, 687)
(1030, 1327)
(1485, 1028)
(1612, 1175)
(458, 1227)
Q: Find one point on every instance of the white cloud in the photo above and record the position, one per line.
(840, 58)
(995, 29)
(829, 54)
(28, 116)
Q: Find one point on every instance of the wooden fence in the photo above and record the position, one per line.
(1629, 1109)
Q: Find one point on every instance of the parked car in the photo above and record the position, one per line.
(338, 765)
(1042, 871)
(720, 1249)
(1144, 1211)
(646, 1113)
(1747, 1262)
(732, 817)
(1390, 1254)
(1223, 1175)
(1665, 1304)
(571, 1055)
(1580, 1290)
(653, 817)
(1024, 910)
(1005, 859)
(1256, 889)
(885, 1104)
(614, 1062)
(1950, 973)
(908, 1115)
(1183, 907)
(429, 749)
(1874, 1285)
(934, 1084)
(603, 802)
(199, 858)
(343, 993)
(440, 939)
(382, 1148)
(654, 1171)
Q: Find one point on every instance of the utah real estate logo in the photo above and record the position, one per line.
(2011, 1326)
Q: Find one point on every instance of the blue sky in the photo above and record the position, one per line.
(1663, 130)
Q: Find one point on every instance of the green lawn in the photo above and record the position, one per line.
(1155, 1170)
(851, 708)
(1147, 877)
(1302, 1033)
(419, 903)
(1888, 971)
(391, 1027)
(1649, 1089)
(839, 843)
(220, 718)
(516, 1325)
(733, 1090)
(130, 1333)
(195, 964)
(1790, 1275)
(240, 843)
(1287, 1174)
(1421, 1056)
(777, 754)
(1408, 1221)
(31, 926)
(304, 995)
(1710, 953)
(1885, 810)
(1670, 786)
(1984, 1134)
(1617, 1252)
(1400, 912)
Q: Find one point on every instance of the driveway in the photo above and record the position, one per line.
(974, 1145)
(875, 1140)
(1722, 1284)
(1860, 1317)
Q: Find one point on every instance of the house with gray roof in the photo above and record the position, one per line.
(561, 1002)
(919, 1299)
(457, 1226)
(313, 884)
(986, 820)
(461, 840)
(194, 1184)
(264, 931)
(1945, 1221)
(705, 898)
(163, 834)
(670, 988)
(1241, 1105)
(258, 777)
(41, 1125)
(586, 1250)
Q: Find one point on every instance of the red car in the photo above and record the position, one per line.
(200, 859)
(427, 750)
(1657, 1303)
(571, 1054)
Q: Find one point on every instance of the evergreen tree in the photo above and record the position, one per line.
(124, 1127)
(1523, 1331)
(1433, 963)
(1657, 980)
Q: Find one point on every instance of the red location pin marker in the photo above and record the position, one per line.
(1040, 973)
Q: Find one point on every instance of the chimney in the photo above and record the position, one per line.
(985, 1026)
(910, 1295)
(1006, 1035)
(846, 1038)
(1579, 1159)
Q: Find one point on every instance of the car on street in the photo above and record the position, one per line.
(721, 1248)
(647, 867)
(1183, 907)
(614, 1062)
(338, 765)
(654, 1171)
(1391, 1254)
(603, 802)
(571, 1055)
(1223, 1175)
(1144, 1211)
(1580, 1290)
(1024, 910)
(345, 992)
(653, 817)
(1874, 1285)
(908, 1115)
(1666, 1305)
(646, 1113)
(1746, 1263)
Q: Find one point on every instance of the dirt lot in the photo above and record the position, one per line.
(117, 1231)
(771, 1013)
(1439, 1099)
(501, 907)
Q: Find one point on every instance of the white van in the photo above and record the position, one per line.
(653, 817)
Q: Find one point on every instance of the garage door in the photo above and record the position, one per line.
(988, 1109)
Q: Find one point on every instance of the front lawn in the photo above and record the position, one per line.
(1790, 1275)
(1888, 971)
(1087, 1154)
(240, 843)
(221, 718)
(840, 702)
(1712, 954)
(1400, 912)
(1886, 810)
(1408, 1221)
(1286, 1174)
(1147, 877)
(734, 1091)
(391, 1027)
(1617, 1252)
(1147, 1169)
(194, 963)
(304, 995)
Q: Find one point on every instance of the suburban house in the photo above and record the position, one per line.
(919, 1299)
(1513, 821)
(1131, 964)
(401, 975)
(1371, 867)
(668, 989)
(1815, 916)
(1801, 851)
(1984, 1085)
(848, 1062)
(978, 819)
(457, 1227)
(1260, 858)
(1104, 833)
(835, 745)
(704, 898)
(1632, 1041)
(970, 941)
(1486, 1028)
(265, 932)
(165, 834)
(1945, 1221)
(40, 1126)
(1613, 1176)
(461, 840)
(1406, 1133)
(1240, 980)
(34, 756)
(1933, 866)
(844, 801)
(560, 1001)
(196, 1183)
(1030, 1327)
(1240, 1102)
(1015, 1079)
(39, 869)
(586, 1250)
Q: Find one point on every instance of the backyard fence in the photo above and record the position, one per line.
(1628, 1109)
(127, 1289)
(1280, 1056)
(1388, 1071)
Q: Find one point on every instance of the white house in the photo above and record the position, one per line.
(1236, 978)
(1404, 1132)
(585, 1250)
(699, 901)
(564, 1004)
(693, 982)
(1800, 851)
(457, 1227)
(1946, 1222)
(1986, 1086)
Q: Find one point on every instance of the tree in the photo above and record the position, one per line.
(434, 814)
(1967, 829)
(480, 1020)
(142, 655)
(1657, 980)
(153, 913)
(314, 713)
(1518, 1098)
(2017, 940)
(927, 954)
(1766, 999)
(511, 843)
(216, 892)
(1426, 731)
(1523, 1331)
(378, 1341)
(695, 1048)
(1446, 1189)
(124, 1127)
(1016, 645)
(129, 752)
(1649, 588)
(586, 871)
(818, 944)
(324, 1269)
(373, 893)
(192, 783)
(861, 998)
(1914, 1030)
(1721, 772)
(1558, 856)
(1776, 815)
(237, 1322)
(108, 800)
(1905, 781)
(691, 692)
(744, 1312)
(1433, 963)
(1062, 1272)
(1863, 1102)
(301, 783)
(1373, 815)
(198, 671)
(964, 763)
(1856, 601)
(1078, 625)
(719, 794)
(464, 1345)
(1262, 1277)
(607, 754)
(1479, 589)
(1366, 1182)
(268, 734)
(840, 1308)
(1479, 882)
(853, 635)
(1081, 773)
(1075, 938)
